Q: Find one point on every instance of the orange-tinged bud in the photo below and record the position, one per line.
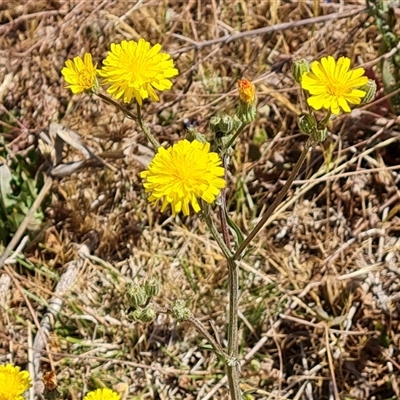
(246, 91)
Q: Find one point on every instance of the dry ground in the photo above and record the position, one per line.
(319, 300)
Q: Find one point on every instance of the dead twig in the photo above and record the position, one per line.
(195, 45)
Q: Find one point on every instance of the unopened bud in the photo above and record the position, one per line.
(50, 381)
(222, 124)
(135, 315)
(152, 286)
(180, 311)
(136, 295)
(246, 91)
(246, 110)
(370, 91)
(148, 313)
(319, 135)
(193, 134)
(299, 67)
(307, 124)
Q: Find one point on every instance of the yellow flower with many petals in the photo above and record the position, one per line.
(102, 394)
(135, 69)
(183, 173)
(332, 85)
(13, 382)
(81, 74)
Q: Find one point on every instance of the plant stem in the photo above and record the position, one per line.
(214, 231)
(137, 118)
(145, 130)
(117, 105)
(276, 202)
(222, 208)
(233, 332)
(201, 328)
(233, 382)
(322, 124)
(233, 138)
(233, 288)
(233, 307)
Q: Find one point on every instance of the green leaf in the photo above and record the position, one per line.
(15, 220)
(30, 186)
(235, 230)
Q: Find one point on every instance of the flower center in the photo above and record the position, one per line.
(336, 87)
(184, 175)
(136, 71)
(86, 79)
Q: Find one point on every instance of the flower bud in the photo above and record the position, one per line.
(50, 381)
(319, 135)
(222, 124)
(135, 315)
(246, 91)
(193, 134)
(370, 91)
(180, 311)
(148, 313)
(152, 286)
(136, 295)
(307, 124)
(299, 67)
(246, 110)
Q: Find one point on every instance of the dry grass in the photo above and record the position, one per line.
(319, 288)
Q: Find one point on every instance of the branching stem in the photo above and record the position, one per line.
(233, 287)
(117, 105)
(232, 140)
(276, 202)
(145, 130)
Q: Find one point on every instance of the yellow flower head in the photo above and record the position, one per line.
(332, 85)
(181, 174)
(80, 74)
(102, 394)
(246, 91)
(13, 382)
(134, 69)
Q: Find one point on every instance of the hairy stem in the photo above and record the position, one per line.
(233, 332)
(130, 115)
(145, 130)
(202, 329)
(117, 105)
(222, 208)
(233, 287)
(233, 382)
(233, 138)
(276, 202)
(214, 231)
(233, 284)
